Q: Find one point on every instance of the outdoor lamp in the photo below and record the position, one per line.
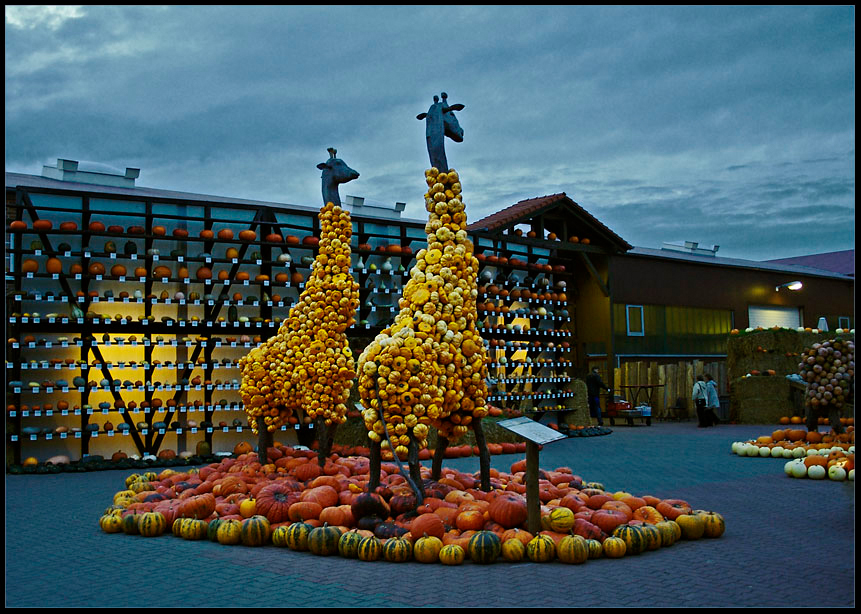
(791, 285)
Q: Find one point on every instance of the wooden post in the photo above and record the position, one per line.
(533, 505)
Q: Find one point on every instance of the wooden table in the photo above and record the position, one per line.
(634, 392)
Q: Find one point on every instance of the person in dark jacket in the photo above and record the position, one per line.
(594, 386)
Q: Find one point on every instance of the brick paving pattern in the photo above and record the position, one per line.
(788, 541)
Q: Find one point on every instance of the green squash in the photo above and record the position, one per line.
(323, 541)
(484, 547)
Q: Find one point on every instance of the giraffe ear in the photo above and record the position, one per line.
(456, 107)
(421, 115)
(322, 165)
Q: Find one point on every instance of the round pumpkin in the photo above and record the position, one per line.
(225, 234)
(714, 524)
(323, 541)
(297, 536)
(42, 225)
(635, 542)
(614, 547)
(426, 549)
(398, 550)
(151, 524)
(370, 549)
(673, 508)
(111, 523)
(541, 549)
(452, 554)
(53, 265)
(191, 528)
(647, 514)
(692, 525)
(652, 536)
(595, 548)
(229, 532)
(255, 531)
(427, 524)
(484, 547)
(508, 510)
(29, 266)
(348, 544)
(513, 550)
(561, 519)
(247, 235)
(671, 532)
(572, 549)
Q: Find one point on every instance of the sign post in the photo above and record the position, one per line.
(535, 434)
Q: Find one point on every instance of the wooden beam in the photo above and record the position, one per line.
(594, 273)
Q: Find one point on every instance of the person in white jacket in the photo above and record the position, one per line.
(712, 400)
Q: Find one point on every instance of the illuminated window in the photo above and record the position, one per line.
(842, 322)
(634, 319)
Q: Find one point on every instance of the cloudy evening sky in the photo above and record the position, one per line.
(724, 125)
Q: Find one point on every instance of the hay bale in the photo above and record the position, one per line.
(760, 400)
(761, 350)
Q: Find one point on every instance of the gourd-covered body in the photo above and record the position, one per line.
(428, 367)
(307, 368)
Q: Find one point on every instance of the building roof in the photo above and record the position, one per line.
(527, 208)
(775, 267)
(838, 262)
(14, 180)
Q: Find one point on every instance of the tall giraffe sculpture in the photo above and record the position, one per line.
(428, 368)
(307, 369)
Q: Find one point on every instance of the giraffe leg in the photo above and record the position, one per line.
(439, 453)
(415, 471)
(264, 442)
(483, 455)
(375, 466)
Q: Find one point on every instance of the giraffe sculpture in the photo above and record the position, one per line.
(307, 369)
(428, 368)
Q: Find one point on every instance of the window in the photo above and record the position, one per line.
(843, 322)
(634, 319)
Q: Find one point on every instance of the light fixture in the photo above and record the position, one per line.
(790, 285)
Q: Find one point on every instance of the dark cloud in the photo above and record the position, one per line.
(726, 125)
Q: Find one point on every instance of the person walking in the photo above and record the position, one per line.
(712, 400)
(594, 386)
(700, 397)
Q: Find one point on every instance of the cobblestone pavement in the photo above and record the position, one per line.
(788, 542)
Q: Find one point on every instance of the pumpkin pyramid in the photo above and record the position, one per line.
(307, 368)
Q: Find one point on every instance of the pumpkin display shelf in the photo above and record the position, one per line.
(810, 454)
(290, 501)
(97, 291)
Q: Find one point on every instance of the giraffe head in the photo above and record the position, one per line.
(335, 172)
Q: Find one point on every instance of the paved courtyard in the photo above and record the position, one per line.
(789, 543)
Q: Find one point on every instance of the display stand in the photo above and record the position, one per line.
(535, 434)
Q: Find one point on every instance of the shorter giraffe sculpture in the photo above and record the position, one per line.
(335, 172)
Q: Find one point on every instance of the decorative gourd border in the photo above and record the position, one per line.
(295, 503)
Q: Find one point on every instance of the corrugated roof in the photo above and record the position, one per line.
(523, 209)
(14, 180)
(736, 262)
(839, 262)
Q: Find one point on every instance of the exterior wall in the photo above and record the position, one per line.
(654, 281)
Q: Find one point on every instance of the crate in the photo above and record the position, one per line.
(645, 410)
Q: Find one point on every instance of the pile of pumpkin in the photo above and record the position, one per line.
(292, 502)
(810, 454)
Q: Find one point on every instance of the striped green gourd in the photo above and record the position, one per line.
(193, 529)
(297, 536)
(541, 549)
(323, 541)
(397, 550)
(370, 549)
(484, 547)
(572, 549)
(152, 524)
(255, 531)
(348, 544)
(635, 541)
(229, 532)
